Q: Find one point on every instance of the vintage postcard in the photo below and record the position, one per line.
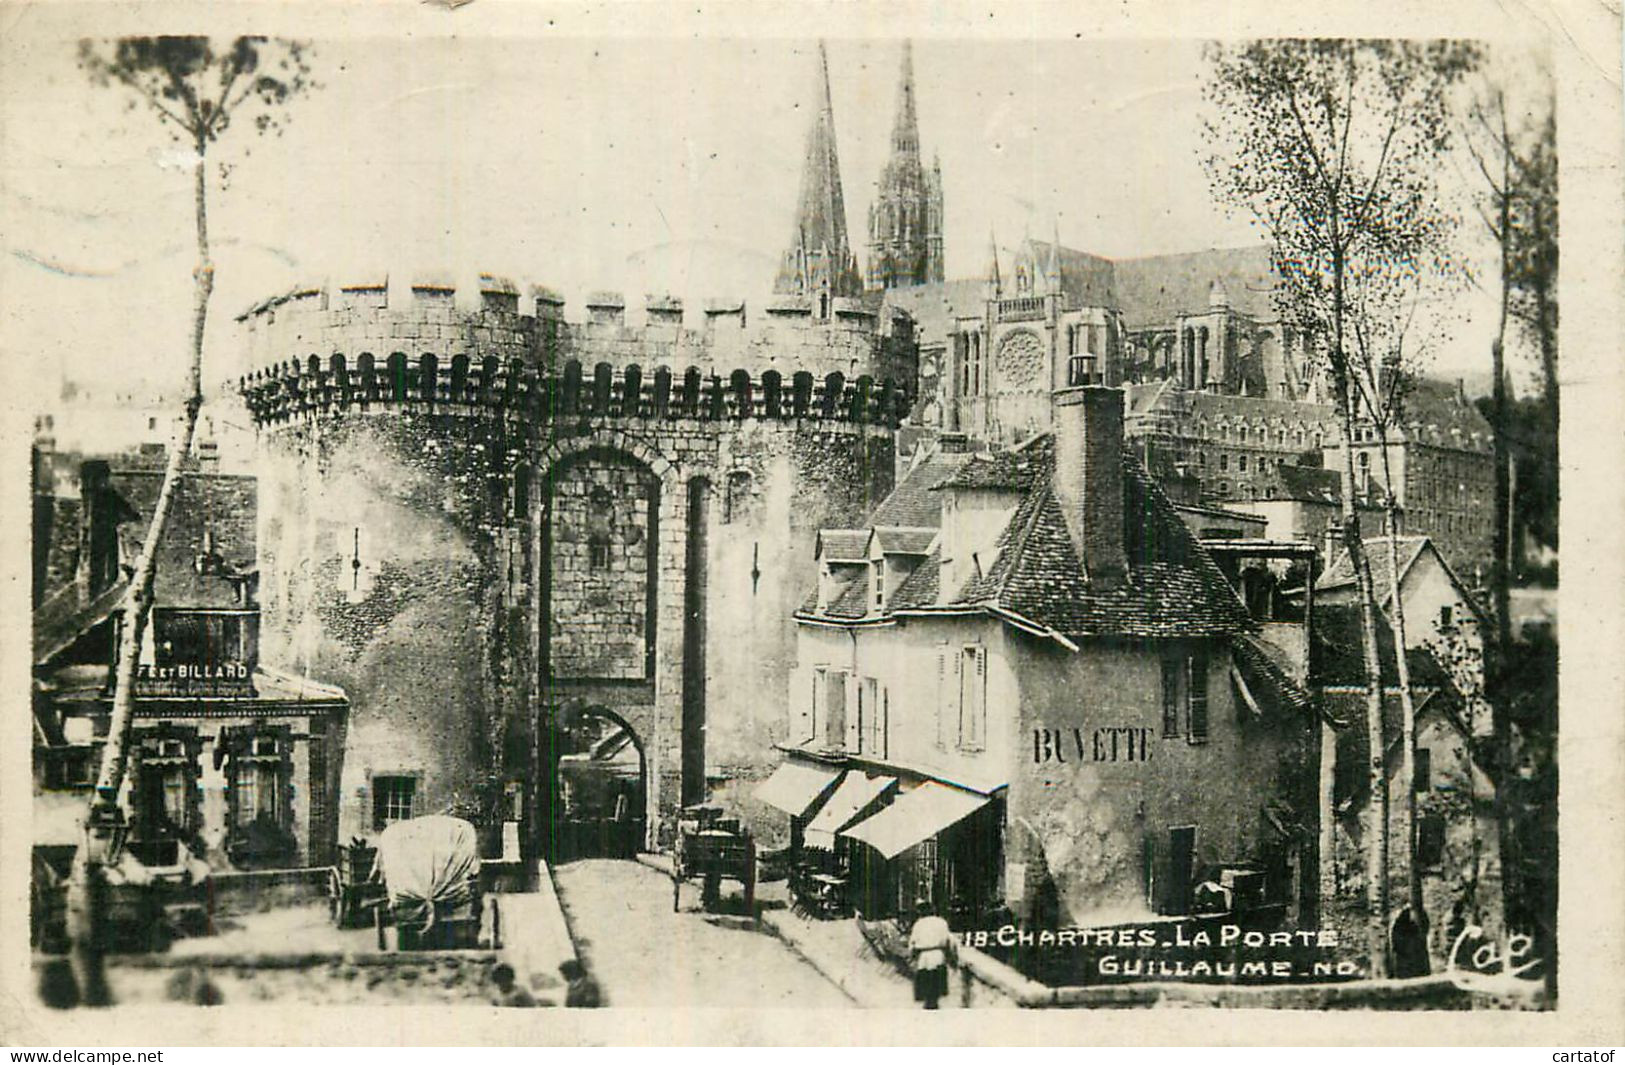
(529, 512)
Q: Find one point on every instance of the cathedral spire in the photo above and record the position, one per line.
(995, 285)
(819, 255)
(1052, 270)
(905, 134)
(905, 223)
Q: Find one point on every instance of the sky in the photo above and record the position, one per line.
(579, 163)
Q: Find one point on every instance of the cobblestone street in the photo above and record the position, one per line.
(643, 954)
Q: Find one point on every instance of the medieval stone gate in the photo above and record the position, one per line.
(467, 545)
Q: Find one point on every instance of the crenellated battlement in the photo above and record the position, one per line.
(383, 313)
(519, 388)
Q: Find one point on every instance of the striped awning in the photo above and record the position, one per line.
(856, 793)
(795, 786)
(914, 817)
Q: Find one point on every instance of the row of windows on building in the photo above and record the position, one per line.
(1299, 437)
(960, 702)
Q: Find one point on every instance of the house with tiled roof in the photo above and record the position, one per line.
(1441, 614)
(1044, 696)
(231, 762)
(1457, 845)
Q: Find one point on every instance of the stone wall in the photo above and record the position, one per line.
(429, 520)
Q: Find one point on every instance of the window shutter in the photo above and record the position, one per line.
(941, 705)
(959, 696)
(885, 723)
(800, 703)
(1170, 697)
(1197, 698)
(853, 738)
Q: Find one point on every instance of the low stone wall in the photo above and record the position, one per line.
(429, 977)
(266, 889)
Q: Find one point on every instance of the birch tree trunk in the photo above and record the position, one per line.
(1407, 703)
(103, 826)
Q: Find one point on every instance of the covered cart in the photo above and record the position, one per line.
(430, 869)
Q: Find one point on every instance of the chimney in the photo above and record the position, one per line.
(1088, 478)
(98, 531)
(1334, 542)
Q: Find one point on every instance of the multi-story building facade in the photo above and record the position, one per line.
(1442, 472)
(1024, 695)
(232, 761)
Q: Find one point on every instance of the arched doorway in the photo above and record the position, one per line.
(596, 781)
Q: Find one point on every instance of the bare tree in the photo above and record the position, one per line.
(1333, 146)
(196, 90)
(1382, 372)
(1518, 207)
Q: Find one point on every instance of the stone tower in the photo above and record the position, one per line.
(905, 221)
(819, 263)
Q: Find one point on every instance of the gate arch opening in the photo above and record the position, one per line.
(597, 775)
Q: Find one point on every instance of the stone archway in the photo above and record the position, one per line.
(597, 784)
(649, 700)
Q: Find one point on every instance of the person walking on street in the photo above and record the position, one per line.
(931, 948)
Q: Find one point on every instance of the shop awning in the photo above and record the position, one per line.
(794, 786)
(856, 792)
(914, 817)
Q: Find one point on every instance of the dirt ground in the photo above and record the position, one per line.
(643, 954)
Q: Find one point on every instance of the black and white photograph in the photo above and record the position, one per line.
(537, 509)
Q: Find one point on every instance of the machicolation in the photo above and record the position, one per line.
(368, 342)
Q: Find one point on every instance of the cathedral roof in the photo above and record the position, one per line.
(1155, 289)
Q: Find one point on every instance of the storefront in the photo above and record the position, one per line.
(879, 844)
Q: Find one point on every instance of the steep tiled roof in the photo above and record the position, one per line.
(850, 597)
(920, 588)
(1435, 412)
(1340, 574)
(1265, 674)
(842, 544)
(912, 504)
(1088, 280)
(1172, 587)
(1337, 654)
(1015, 469)
(904, 541)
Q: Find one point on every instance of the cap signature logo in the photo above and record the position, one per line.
(1476, 963)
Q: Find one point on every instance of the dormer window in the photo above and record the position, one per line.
(880, 583)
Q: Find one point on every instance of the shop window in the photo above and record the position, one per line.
(393, 798)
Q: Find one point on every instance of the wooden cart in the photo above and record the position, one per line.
(429, 868)
(712, 848)
(352, 893)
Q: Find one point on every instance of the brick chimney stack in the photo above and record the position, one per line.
(1088, 478)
